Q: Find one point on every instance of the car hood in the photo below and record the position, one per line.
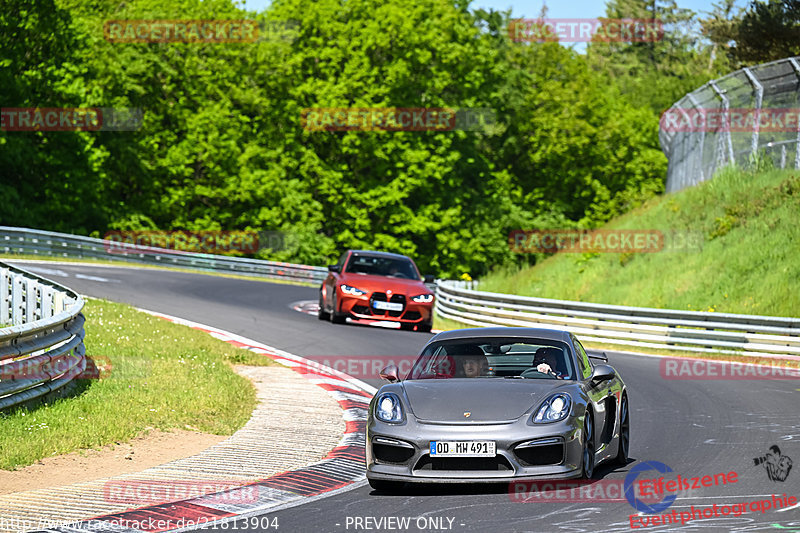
(371, 283)
(486, 399)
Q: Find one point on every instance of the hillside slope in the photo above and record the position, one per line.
(747, 226)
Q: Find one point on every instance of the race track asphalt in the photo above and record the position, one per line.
(695, 427)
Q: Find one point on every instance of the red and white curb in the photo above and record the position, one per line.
(342, 469)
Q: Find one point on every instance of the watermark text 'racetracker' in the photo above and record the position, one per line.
(34, 368)
(734, 120)
(152, 491)
(70, 119)
(203, 241)
(586, 30)
(603, 241)
(329, 119)
(703, 369)
(196, 31)
(357, 366)
(571, 490)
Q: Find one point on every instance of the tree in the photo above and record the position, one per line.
(767, 31)
(720, 28)
(47, 179)
(656, 72)
(223, 145)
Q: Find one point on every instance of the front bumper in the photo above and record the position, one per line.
(554, 451)
(360, 307)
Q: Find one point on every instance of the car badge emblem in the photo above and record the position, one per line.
(467, 414)
(389, 292)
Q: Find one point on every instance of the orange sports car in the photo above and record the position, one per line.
(371, 285)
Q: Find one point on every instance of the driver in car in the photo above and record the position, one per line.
(546, 362)
(474, 366)
(472, 361)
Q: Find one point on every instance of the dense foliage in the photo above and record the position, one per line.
(763, 31)
(222, 145)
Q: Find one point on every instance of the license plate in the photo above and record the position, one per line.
(388, 306)
(463, 448)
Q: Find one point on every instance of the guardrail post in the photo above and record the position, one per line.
(5, 295)
(47, 302)
(31, 289)
(58, 303)
(16, 300)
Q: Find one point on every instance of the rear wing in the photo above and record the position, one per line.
(603, 357)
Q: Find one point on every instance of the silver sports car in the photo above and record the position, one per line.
(497, 404)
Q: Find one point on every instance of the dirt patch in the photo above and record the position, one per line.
(153, 449)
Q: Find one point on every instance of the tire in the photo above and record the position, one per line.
(587, 461)
(337, 318)
(624, 433)
(381, 485)
(322, 314)
(425, 328)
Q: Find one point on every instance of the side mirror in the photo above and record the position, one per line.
(333, 268)
(389, 373)
(603, 373)
(429, 278)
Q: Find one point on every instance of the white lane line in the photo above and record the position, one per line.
(96, 278)
(47, 271)
(795, 506)
(62, 274)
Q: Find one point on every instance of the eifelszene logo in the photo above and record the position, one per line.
(637, 503)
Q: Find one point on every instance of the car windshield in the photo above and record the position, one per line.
(495, 358)
(381, 266)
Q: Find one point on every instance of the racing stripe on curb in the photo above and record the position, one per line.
(342, 467)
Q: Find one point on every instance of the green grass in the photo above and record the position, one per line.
(163, 376)
(749, 261)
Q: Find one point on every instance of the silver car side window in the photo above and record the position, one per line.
(583, 361)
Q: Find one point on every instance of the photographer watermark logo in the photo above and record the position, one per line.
(636, 502)
(777, 466)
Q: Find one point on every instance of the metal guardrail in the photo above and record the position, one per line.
(690, 331)
(50, 244)
(456, 300)
(41, 336)
(694, 156)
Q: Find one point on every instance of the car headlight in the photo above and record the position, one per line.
(553, 409)
(422, 298)
(352, 291)
(388, 408)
